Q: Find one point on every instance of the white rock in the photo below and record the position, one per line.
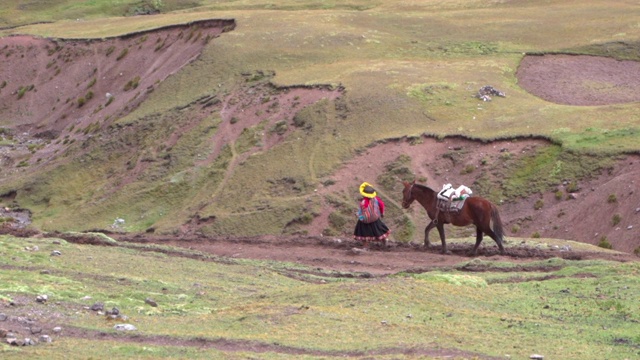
(125, 327)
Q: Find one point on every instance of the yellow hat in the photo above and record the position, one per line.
(367, 190)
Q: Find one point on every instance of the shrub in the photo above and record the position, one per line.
(515, 228)
(305, 219)
(468, 169)
(299, 120)
(280, 127)
(612, 199)
(535, 235)
(615, 220)
(122, 54)
(132, 84)
(110, 50)
(81, 101)
(604, 243)
(572, 187)
(558, 194)
(23, 90)
(538, 205)
(109, 101)
(637, 251)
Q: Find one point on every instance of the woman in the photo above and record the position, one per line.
(370, 226)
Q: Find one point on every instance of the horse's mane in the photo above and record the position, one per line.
(425, 187)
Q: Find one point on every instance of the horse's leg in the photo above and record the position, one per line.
(496, 239)
(478, 241)
(444, 243)
(431, 225)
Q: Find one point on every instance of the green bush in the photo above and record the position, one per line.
(132, 84)
(615, 220)
(122, 54)
(538, 205)
(559, 195)
(604, 243)
(468, 169)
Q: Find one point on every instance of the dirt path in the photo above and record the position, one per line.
(344, 255)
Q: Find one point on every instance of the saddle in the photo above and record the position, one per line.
(452, 200)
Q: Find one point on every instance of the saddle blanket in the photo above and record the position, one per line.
(450, 206)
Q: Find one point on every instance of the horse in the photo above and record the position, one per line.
(476, 210)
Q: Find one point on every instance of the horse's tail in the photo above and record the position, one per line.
(497, 223)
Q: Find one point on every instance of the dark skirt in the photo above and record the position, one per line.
(376, 231)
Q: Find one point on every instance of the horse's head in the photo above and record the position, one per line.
(407, 194)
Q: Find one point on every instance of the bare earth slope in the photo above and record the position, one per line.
(70, 87)
(66, 89)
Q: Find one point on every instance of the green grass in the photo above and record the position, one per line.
(538, 306)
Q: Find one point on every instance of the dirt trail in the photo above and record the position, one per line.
(348, 256)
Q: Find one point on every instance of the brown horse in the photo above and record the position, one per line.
(476, 210)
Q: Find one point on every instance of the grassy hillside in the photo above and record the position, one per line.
(408, 68)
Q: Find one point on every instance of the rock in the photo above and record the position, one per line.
(45, 272)
(356, 251)
(151, 302)
(45, 338)
(3, 317)
(97, 306)
(42, 298)
(124, 327)
(56, 253)
(28, 342)
(536, 357)
(487, 91)
(57, 329)
(35, 330)
(114, 311)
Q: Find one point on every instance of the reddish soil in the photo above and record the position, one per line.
(580, 80)
(65, 68)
